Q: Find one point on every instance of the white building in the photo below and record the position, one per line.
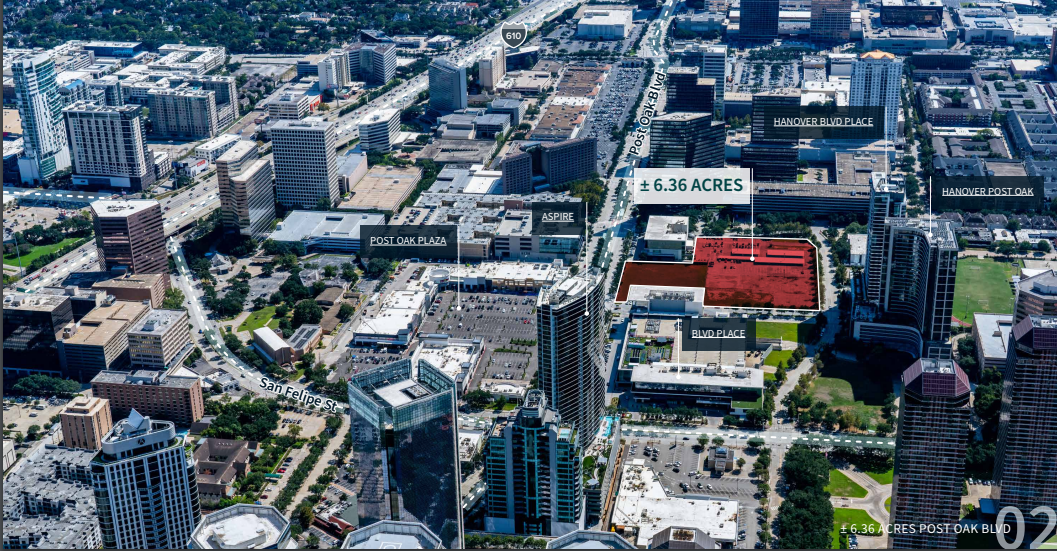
(305, 161)
(667, 238)
(493, 68)
(336, 232)
(146, 486)
(875, 81)
(858, 249)
(605, 24)
(44, 131)
(291, 105)
(334, 71)
(213, 149)
(379, 129)
(447, 85)
(108, 146)
(243, 526)
(397, 320)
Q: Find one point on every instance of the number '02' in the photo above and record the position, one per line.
(1001, 525)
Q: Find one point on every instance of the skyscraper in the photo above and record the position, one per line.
(109, 146)
(930, 454)
(759, 20)
(1026, 459)
(571, 326)
(306, 163)
(146, 486)
(447, 85)
(711, 59)
(919, 262)
(687, 92)
(405, 442)
(772, 152)
(493, 68)
(887, 200)
(43, 129)
(131, 235)
(875, 81)
(243, 526)
(830, 20)
(32, 327)
(533, 471)
(187, 113)
(686, 140)
(375, 63)
(378, 130)
(247, 190)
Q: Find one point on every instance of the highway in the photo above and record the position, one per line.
(772, 436)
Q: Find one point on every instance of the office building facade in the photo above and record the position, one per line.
(759, 20)
(830, 21)
(533, 471)
(98, 342)
(170, 397)
(108, 146)
(1026, 459)
(32, 328)
(517, 173)
(85, 422)
(43, 130)
(686, 140)
(876, 78)
(247, 190)
(146, 486)
(184, 113)
(772, 152)
(447, 86)
(305, 162)
(379, 129)
(689, 93)
(930, 454)
(160, 339)
(374, 63)
(1036, 296)
(571, 327)
(887, 200)
(569, 160)
(130, 235)
(405, 439)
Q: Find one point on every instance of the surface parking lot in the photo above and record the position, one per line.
(505, 323)
(610, 110)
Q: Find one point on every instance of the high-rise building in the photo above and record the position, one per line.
(686, 140)
(830, 20)
(571, 328)
(146, 486)
(243, 526)
(247, 190)
(493, 68)
(687, 92)
(333, 71)
(1036, 296)
(711, 60)
(226, 96)
(533, 471)
(447, 85)
(930, 454)
(306, 163)
(183, 113)
(379, 129)
(390, 534)
(130, 235)
(759, 20)
(405, 445)
(40, 108)
(110, 88)
(160, 339)
(375, 63)
(98, 342)
(887, 200)
(772, 153)
(32, 328)
(171, 397)
(109, 146)
(919, 262)
(1053, 49)
(85, 422)
(569, 160)
(1026, 458)
(517, 173)
(875, 82)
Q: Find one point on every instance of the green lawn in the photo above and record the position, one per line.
(862, 521)
(842, 486)
(840, 394)
(1050, 543)
(748, 405)
(777, 329)
(777, 356)
(982, 286)
(12, 260)
(882, 478)
(259, 319)
(888, 504)
(768, 377)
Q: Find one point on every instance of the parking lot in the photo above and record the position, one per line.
(610, 110)
(22, 218)
(756, 75)
(24, 415)
(505, 323)
(311, 425)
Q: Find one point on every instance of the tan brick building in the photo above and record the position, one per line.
(85, 422)
(152, 393)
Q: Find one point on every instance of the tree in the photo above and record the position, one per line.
(294, 430)
(232, 342)
(702, 441)
(216, 388)
(1044, 246)
(805, 469)
(377, 267)
(330, 270)
(306, 311)
(43, 385)
(717, 441)
(174, 299)
(323, 203)
(741, 462)
(756, 442)
(345, 312)
(477, 399)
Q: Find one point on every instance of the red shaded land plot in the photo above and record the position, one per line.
(660, 273)
(759, 273)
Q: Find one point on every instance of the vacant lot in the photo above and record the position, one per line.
(259, 319)
(777, 356)
(982, 286)
(842, 486)
(12, 260)
(848, 386)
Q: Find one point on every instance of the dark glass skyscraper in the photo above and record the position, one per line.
(571, 327)
(688, 92)
(404, 442)
(759, 20)
(930, 454)
(772, 153)
(686, 140)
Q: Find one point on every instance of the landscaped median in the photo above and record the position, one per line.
(297, 479)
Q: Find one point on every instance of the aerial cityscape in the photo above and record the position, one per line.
(530, 274)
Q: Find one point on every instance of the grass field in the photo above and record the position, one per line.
(768, 377)
(259, 319)
(982, 285)
(12, 260)
(778, 356)
(882, 478)
(864, 523)
(842, 486)
(840, 394)
(785, 331)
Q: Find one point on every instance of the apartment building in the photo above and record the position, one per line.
(160, 340)
(171, 397)
(85, 422)
(185, 113)
(108, 146)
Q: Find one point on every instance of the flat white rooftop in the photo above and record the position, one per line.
(121, 209)
(302, 224)
(697, 375)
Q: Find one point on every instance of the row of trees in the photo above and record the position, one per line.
(806, 516)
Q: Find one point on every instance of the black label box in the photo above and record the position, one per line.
(718, 334)
(559, 218)
(410, 242)
(975, 193)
